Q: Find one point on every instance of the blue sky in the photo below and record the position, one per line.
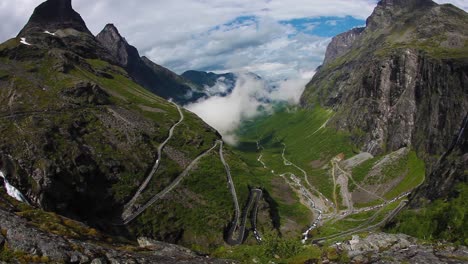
(325, 26)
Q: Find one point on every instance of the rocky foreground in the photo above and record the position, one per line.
(399, 248)
(34, 236)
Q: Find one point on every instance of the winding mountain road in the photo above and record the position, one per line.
(232, 187)
(363, 227)
(168, 189)
(155, 168)
(239, 222)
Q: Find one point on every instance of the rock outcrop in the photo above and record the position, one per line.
(387, 10)
(34, 239)
(389, 248)
(124, 53)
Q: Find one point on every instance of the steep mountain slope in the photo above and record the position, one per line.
(401, 82)
(148, 74)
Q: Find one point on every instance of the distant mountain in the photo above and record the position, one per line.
(213, 84)
(224, 83)
(148, 74)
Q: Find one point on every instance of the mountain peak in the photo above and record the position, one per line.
(405, 3)
(112, 29)
(387, 10)
(53, 15)
(111, 39)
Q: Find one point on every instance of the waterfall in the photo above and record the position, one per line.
(12, 191)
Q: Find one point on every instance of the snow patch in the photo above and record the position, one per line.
(23, 41)
(47, 32)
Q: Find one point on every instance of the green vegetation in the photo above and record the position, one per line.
(201, 206)
(439, 220)
(408, 168)
(280, 251)
(309, 143)
(431, 47)
(360, 220)
(415, 174)
(360, 172)
(12, 256)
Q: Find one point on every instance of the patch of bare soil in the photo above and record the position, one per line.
(151, 109)
(360, 196)
(177, 156)
(281, 190)
(317, 164)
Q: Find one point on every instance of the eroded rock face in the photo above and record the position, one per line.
(53, 15)
(449, 170)
(341, 44)
(111, 39)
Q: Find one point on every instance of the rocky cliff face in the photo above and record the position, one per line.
(111, 39)
(403, 81)
(448, 172)
(148, 74)
(341, 44)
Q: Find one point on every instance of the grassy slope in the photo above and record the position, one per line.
(409, 167)
(446, 220)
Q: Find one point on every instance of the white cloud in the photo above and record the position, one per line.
(246, 101)
(226, 113)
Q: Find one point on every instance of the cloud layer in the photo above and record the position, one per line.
(270, 37)
(249, 98)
